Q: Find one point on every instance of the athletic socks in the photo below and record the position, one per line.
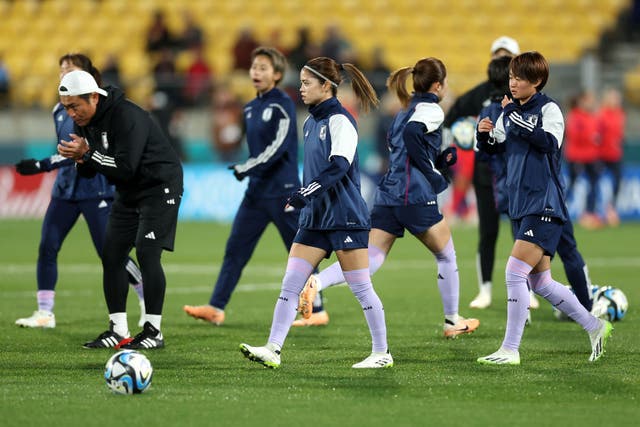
(563, 299)
(120, 325)
(517, 302)
(298, 271)
(448, 279)
(360, 284)
(333, 275)
(46, 300)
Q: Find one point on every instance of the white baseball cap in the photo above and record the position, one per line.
(506, 43)
(79, 82)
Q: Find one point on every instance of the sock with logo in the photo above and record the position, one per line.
(360, 283)
(563, 299)
(333, 275)
(448, 278)
(46, 300)
(517, 272)
(298, 271)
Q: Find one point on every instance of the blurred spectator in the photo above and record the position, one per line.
(192, 35)
(169, 117)
(378, 72)
(166, 77)
(299, 55)
(242, 49)
(158, 34)
(582, 151)
(227, 123)
(389, 106)
(611, 122)
(111, 72)
(198, 80)
(334, 45)
(4, 84)
(275, 40)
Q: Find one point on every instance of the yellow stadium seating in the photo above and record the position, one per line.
(34, 33)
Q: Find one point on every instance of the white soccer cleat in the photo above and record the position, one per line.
(375, 360)
(263, 355)
(39, 319)
(501, 357)
(599, 339)
(483, 300)
(143, 314)
(533, 301)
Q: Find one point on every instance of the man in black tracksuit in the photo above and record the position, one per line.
(120, 140)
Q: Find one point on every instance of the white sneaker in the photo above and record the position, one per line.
(528, 321)
(599, 339)
(501, 357)
(375, 360)
(483, 300)
(264, 355)
(533, 301)
(143, 314)
(39, 319)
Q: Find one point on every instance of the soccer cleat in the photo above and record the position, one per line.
(375, 360)
(599, 339)
(148, 339)
(533, 301)
(308, 294)
(483, 300)
(321, 318)
(39, 319)
(464, 326)
(501, 357)
(205, 312)
(263, 355)
(143, 313)
(107, 339)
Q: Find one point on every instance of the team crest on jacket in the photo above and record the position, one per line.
(266, 114)
(105, 140)
(531, 118)
(323, 132)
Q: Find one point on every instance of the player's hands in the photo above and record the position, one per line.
(28, 167)
(447, 158)
(74, 149)
(297, 200)
(506, 101)
(485, 125)
(239, 176)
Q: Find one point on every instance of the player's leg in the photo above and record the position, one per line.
(156, 231)
(437, 238)
(96, 214)
(354, 263)
(248, 226)
(60, 217)
(488, 227)
(574, 266)
(308, 249)
(120, 238)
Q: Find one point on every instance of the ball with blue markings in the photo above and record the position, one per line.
(128, 372)
(610, 303)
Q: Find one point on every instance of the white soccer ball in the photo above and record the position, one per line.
(464, 132)
(128, 372)
(610, 303)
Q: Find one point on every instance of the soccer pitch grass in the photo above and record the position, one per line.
(202, 379)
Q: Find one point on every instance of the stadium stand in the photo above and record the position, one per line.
(34, 33)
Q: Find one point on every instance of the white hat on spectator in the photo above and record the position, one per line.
(79, 82)
(506, 43)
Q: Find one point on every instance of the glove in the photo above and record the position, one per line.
(28, 167)
(298, 200)
(239, 176)
(447, 158)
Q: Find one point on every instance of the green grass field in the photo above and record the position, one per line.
(201, 378)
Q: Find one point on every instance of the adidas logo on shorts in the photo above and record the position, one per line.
(348, 240)
(529, 233)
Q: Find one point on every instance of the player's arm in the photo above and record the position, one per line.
(546, 136)
(489, 137)
(33, 166)
(344, 140)
(279, 134)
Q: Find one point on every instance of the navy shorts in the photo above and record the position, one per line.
(333, 240)
(543, 231)
(415, 218)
